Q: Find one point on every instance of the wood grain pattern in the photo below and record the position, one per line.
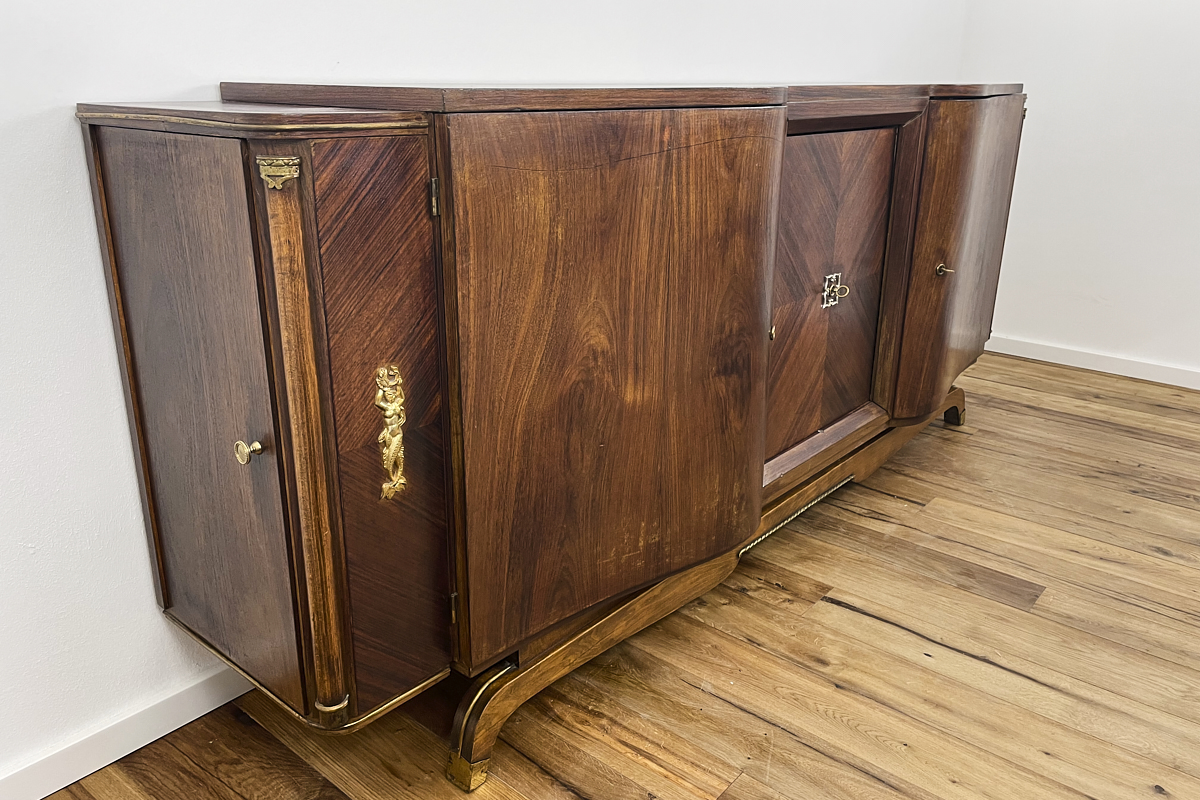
(293, 264)
(883, 646)
(403, 98)
(833, 215)
(970, 161)
(902, 220)
(380, 296)
(116, 310)
(185, 266)
(612, 342)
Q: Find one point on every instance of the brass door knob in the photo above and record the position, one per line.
(244, 451)
(941, 269)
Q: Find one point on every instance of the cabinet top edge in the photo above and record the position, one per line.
(818, 93)
(466, 99)
(951, 90)
(247, 117)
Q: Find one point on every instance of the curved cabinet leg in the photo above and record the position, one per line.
(956, 411)
(497, 693)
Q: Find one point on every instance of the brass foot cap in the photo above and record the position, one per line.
(466, 775)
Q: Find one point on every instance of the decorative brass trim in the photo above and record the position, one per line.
(797, 513)
(348, 727)
(88, 116)
(389, 399)
(467, 775)
(834, 290)
(278, 170)
(332, 709)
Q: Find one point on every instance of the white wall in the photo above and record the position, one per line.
(1103, 248)
(82, 645)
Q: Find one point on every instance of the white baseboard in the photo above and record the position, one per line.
(1101, 362)
(84, 756)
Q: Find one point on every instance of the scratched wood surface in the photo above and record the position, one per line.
(1009, 609)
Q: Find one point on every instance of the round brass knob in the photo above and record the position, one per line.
(941, 269)
(244, 451)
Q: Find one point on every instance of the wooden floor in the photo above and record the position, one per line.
(1008, 610)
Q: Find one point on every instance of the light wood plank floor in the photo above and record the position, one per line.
(1008, 610)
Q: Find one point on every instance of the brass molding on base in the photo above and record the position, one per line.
(349, 726)
(759, 540)
(278, 170)
(389, 399)
(466, 775)
(333, 716)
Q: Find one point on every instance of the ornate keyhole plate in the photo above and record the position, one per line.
(834, 290)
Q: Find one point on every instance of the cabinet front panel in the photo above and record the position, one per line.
(833, 213)
(612, 316)
(186, 277)
(380, 293)
(970, 163)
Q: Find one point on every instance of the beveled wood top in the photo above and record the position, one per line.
(407, 98)
(951, 90)
(245, 117)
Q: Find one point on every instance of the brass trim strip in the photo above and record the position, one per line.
(350, 726)
(88, 116)
(797, 513)
(462, 732)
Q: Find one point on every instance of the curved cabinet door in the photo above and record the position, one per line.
(612, 288)
(970, 160)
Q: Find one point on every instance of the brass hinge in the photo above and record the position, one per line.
(453, 605)
(433, 198)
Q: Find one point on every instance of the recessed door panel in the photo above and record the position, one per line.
(833, 213)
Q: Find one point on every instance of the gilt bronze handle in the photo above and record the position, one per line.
(389, 399)
(941, 269)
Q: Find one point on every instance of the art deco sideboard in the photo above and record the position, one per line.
(463, 386)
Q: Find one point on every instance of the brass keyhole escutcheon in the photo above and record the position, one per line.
(941, 269)
(243, 452)
(834, 290)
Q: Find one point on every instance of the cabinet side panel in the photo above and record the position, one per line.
(970, 163)
(833, 213)
(380, 292)
(185, 262)
(612, 274)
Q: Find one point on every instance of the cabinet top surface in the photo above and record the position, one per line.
(278, 108)
(465, 99)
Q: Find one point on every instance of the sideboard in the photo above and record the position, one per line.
(449, 390)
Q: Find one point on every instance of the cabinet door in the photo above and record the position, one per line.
(612, 288)
(186, 290)
(379, 291)
(833, 214)
(966, 185)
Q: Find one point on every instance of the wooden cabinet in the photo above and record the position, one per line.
(473, 384)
